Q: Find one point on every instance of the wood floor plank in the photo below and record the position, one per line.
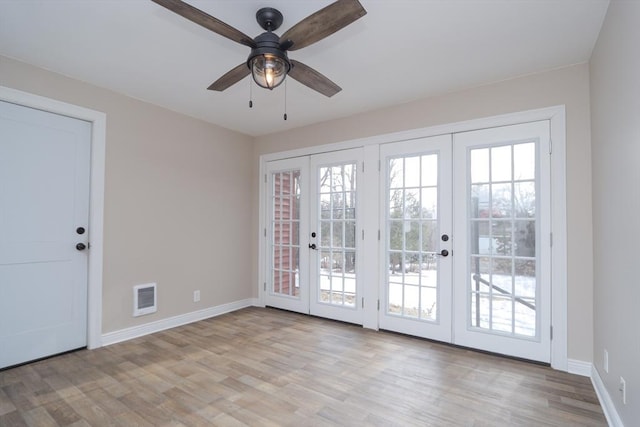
(62, 413)
(13, 419)
(39, 417)
(266, 367)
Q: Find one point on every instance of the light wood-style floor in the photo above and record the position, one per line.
(265, 367)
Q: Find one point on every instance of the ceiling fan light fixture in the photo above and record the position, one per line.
(269, 70)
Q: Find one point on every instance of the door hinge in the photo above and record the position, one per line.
(265, 232)
(265, 286)
(378, 305)
(362, 302)
(363, 234)
(379, 165)
(550, 145)
(378, 234)
(362, 167)
(265, 178)
(551, 331)
(550, 239)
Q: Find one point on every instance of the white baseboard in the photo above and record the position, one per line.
(587, 369)
(609, 409)
(579, 367)
(171, 322)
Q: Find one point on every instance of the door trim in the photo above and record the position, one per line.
(98, 122)
(557, 117)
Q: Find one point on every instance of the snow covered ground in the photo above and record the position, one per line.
(416, 294)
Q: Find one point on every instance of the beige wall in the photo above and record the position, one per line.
(568, 86)
(177, 200)
(615, 124)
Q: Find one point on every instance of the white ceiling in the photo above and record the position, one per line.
(400, 51)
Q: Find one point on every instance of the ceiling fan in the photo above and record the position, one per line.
(268, 61)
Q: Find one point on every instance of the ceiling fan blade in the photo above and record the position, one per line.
(313, 79)
(323, 23)
(207, 21)
(232, 77)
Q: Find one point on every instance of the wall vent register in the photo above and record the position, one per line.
(144, 299)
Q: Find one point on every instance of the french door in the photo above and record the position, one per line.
(287, 276)
(336, 291)
(417, 279)
(313, 235)
(466, 248)
(463, 254)
(503, 248)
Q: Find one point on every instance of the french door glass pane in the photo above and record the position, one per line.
(285, 228)
(337, 235)
(502, 229)
(412, 239)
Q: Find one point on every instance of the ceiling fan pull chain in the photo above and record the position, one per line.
(250, 94)
(285, 100)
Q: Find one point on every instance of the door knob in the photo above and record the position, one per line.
(312, 246)
(443, 252)
(81, 246)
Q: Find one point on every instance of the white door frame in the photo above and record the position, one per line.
(556, 115)
(96, 199)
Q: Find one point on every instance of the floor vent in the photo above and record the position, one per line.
(144, 299)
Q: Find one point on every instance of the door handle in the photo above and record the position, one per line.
(81, 246)
(443, 252)
(312, 246)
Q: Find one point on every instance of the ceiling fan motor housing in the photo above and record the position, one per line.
(268, 43)
(268, 58)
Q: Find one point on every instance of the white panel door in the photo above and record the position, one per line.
(44, 199)
(336, 235)
(287, 266)
(502, 245)
(416, 225)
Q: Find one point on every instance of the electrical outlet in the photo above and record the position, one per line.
(623, 390)
(196, 296)
(605, 361)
